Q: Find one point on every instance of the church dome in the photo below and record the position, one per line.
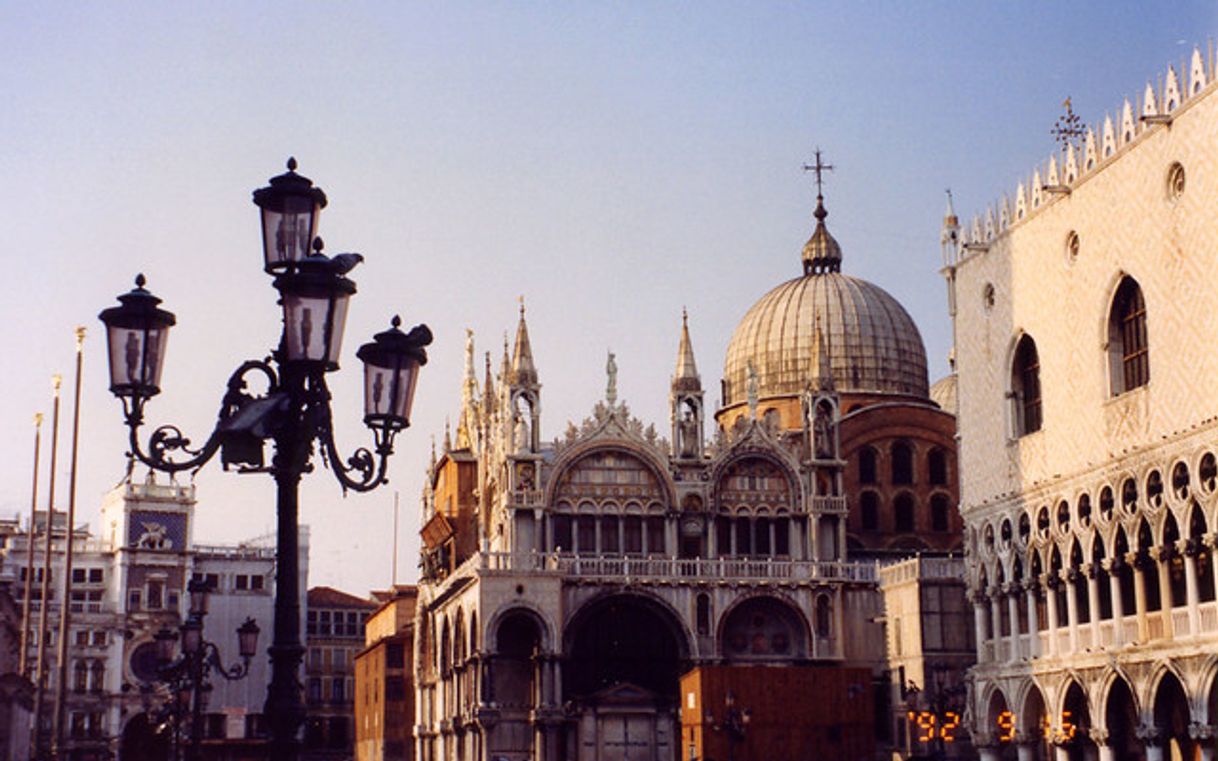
(871, 343)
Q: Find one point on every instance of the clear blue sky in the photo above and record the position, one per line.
(612, 162)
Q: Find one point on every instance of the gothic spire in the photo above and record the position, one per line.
(488, 390)
(824, 373)
(469, 393)
(949, 236)
(524, 373)
(686, 377)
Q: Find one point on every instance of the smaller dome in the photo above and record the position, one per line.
(943, 393)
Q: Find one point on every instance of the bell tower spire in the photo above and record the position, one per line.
(685, 399)
(524, 392)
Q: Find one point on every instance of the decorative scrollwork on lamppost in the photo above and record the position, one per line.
(188, 677)
(292, 410)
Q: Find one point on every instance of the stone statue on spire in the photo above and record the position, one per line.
(611, 386)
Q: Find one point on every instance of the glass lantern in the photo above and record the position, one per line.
(192, 635)
(391, 369)
(136, 334)
(290, 209)
(198, 590)
(247, 638)
(314, 301)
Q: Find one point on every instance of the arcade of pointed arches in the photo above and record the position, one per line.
(1128, 560)
(612, 500)
(1109, 715)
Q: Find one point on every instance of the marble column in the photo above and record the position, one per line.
(1203, 734)
(1104, 750)
(1139, 591)
(1192, 597)
(1051, 584)
(979, 614)
(996, 621)
(1118, 605)
(1026, 751)
(1093, 602)
(1152, 740)
(1012, 595)
(1211, 541)
(1067, 577)
(1162, 557)
(1033, 618)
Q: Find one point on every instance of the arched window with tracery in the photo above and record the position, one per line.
(1025, 387)
(1128, 349)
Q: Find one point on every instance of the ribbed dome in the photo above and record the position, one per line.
(872, 343)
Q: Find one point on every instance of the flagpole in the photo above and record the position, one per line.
(23, 666)
(44, 600)
(395, 538)
(65, 606)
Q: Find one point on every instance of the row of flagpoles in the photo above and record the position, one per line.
(41, 663)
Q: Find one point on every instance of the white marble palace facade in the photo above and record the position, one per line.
(1085, 311)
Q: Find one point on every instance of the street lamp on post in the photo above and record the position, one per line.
(735, 724)
(188, 678)
(293, 410)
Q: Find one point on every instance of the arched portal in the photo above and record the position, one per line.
(142, 740)
(516, 684)
(517, 642)
(1172, 718)
(1121, 718)
(624, 639)
(624, 656)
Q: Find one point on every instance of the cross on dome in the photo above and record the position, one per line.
(821, 253)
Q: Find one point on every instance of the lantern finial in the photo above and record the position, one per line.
(318, 245)
(291, 163)
(396, 321)
(140, 280)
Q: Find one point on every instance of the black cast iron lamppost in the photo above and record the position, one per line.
(189, 677)
(293, 411)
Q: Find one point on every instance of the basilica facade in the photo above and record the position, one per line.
(568, 585)
(1084, 306)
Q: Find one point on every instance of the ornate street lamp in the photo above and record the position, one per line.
(735, 723)
(292, 412)
(290, 207)
(188, 678)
